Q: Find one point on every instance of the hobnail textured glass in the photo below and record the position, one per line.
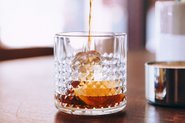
(104, 75)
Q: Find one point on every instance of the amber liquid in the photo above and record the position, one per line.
(91, 95)
(90, 23)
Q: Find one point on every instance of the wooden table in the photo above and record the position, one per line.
(27, 88)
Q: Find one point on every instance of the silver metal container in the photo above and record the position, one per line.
(165, 83)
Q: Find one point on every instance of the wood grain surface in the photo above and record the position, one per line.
(27, 95)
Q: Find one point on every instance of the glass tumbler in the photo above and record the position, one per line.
(91, 73)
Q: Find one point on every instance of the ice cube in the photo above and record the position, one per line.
(85, 63)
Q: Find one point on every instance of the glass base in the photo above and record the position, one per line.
(91, 112)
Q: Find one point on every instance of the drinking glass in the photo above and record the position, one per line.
(91, 75)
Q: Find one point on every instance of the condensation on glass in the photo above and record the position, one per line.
(90, 81)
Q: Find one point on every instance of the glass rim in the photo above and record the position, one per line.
(93, 34)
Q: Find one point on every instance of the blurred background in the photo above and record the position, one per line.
(27, 27)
